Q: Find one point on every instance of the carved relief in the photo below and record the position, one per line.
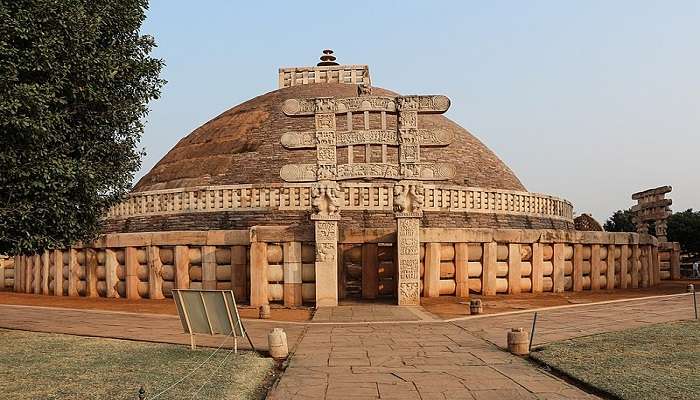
(408, 198)
(325, 122)
(298, 172)
(408, 119)
(326, 154)
(326, 198)
(324, 105)
(409, 293)
(423, 137)
(421, 171)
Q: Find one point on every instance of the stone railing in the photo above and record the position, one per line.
(455, 262)
(260, 265)
(7, 272)
(357, 196)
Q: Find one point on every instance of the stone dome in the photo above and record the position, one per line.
(242, 146)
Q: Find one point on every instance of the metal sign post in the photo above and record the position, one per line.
(209, 312)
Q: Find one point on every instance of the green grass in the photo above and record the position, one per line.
(50, 366)
(653, 362)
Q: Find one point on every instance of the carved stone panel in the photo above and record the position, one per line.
(408, 241)
(423, 137)
(326, 233)
(425, 171)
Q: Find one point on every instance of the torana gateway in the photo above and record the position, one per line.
(328, 189)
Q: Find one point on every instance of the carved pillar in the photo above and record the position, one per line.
(57, 273)
(326, 206)
(111, 277)
(155, 273)
(292, 274)
(408, 203)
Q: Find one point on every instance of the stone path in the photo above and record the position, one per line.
(421, 359)
(371, 313)
(131, 326)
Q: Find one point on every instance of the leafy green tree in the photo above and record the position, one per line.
(75, 81)
(620, 221)
(684, 227)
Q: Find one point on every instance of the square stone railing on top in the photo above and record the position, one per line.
(356, 196)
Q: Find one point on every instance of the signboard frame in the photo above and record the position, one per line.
(211, 313)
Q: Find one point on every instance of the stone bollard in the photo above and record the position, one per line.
(476, 306)
(690, 288)
(264, 311)
(277, 342)
(518, 342)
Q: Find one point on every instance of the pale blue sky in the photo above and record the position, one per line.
(586, 100)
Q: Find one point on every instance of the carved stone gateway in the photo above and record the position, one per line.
(652, 206)
(325, 202)
(408, 203)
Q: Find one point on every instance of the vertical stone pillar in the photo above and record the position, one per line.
(624, 265)
(29, 282)
(431, 275)
(370, 277)
(209, 267)
(595, 267)
(18, 273)
(111, 277)
(577, 274)
(408, 242)
(490, 269)
(182, 267)
(635, 266)
(36, 282)
(558, 273)
(655, 266)
(91, 273)
(462, 269)
(644, 264)
(58, 273)
(2, 273)
(239, 277)
(45, 266)
(73, 268)
(537, 268)
(131, 262)
(155, 273)
(514, 268)
(292, 273)
(610, 274)
(258, 274)
(675, 261)
(326, 234)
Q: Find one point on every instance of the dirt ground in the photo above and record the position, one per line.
(443, 306)
(453, 307)
(166, 306)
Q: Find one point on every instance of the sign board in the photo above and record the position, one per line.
(209, 312)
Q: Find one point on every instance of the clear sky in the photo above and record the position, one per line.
(587, 100)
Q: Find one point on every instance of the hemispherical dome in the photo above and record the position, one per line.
(242, 146)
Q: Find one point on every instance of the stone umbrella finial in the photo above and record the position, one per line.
(327, 58)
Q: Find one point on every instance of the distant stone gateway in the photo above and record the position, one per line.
(329, 188)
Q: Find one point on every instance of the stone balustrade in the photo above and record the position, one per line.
(356, 196)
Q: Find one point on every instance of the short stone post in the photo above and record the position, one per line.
(476, 306)
(277, 342)
(518, 342)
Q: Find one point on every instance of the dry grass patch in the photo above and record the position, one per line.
(51, 366)
(653, 362)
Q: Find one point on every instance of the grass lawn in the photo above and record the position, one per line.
(654, 362)
(50, 366)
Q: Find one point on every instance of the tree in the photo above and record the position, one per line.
(684, 227)
(75, 81)
(620, 221)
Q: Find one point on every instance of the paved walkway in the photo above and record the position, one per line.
(422, 359)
